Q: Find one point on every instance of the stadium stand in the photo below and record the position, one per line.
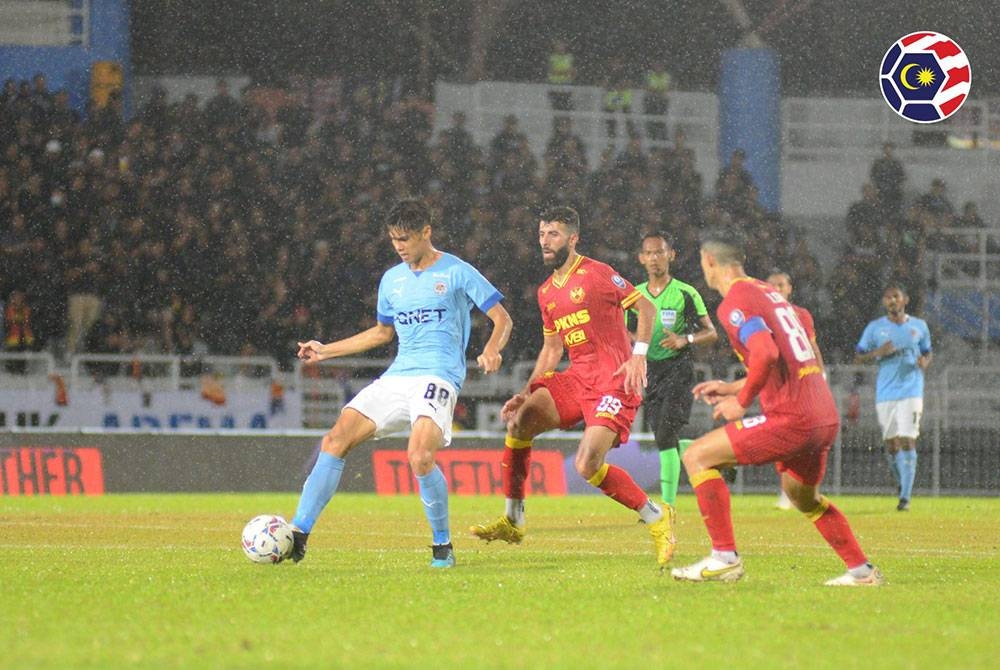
(197, 240)
(167, 232)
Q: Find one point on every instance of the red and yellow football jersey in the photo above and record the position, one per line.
(806, 319)
(796, 383)
(586, 310)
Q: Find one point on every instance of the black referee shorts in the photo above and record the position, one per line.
(668, 396)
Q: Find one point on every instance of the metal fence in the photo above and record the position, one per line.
(959, 448)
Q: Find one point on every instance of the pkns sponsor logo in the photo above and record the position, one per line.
(572, 323)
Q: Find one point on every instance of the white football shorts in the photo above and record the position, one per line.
(900, 418)
(395, 403)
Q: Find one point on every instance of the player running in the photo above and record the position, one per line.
(425, 301)
(582, 307)
(795, 431)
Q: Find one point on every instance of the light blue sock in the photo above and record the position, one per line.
(909, 473)
(320, 486)
(894, 466)
(434, 496)
(900, 468)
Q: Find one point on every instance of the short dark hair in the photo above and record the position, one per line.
(409, 214)
(779, 271)
(727, 245)
(658, 234)
(895, 285)
(567, 216)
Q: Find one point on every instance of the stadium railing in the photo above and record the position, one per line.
(960, 430)
(965, 270)
(486, 104)
(960, 433)
(26, 370)
(814, 127)
(827, 147)
(170, 373)
(967, 257)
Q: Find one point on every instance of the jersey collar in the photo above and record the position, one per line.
(569, 273)
(662, 290)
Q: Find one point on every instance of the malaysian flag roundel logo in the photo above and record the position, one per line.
(925, 77)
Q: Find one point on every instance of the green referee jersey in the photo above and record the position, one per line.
(679, 308)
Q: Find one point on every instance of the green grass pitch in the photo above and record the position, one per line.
(160, 581)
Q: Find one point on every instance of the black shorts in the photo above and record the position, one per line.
(668, 396)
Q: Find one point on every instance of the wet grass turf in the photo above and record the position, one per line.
(160, 581)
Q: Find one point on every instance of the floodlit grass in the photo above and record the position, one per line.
(160, 581)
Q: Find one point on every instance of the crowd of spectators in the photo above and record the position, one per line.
(890, 240)
(191, 230)
(229, 228)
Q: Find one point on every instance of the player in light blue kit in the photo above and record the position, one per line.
(902, 346)
(426, 302)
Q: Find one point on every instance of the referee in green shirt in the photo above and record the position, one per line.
(681, 323)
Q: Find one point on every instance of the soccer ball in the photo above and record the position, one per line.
(267, 539)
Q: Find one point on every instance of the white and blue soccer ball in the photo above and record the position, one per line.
(267, 539)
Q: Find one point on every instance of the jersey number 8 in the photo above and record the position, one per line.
(797, 338)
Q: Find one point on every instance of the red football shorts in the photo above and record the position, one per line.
(790, 441)
(576, 402)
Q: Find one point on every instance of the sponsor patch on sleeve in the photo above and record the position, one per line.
(737, 318)
(618, 281)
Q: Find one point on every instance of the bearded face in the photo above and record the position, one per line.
(556, 258)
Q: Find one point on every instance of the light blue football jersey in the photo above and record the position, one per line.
(430, 311)
(899, 376)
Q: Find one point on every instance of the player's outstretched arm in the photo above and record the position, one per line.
(314, 352)
(490, 360)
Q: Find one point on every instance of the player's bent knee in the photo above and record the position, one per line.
(334, 445)
(806, 502)
(519, 431)
(421, 462)
(526, 424)
(814, 508)
(693, 460)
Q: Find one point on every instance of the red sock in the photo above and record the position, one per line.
(619, 486)
(713, 501)
(514, 467)
(833, 526)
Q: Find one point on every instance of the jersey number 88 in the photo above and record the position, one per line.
(797, 338)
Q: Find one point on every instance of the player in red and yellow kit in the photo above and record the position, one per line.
(782, 281)
(798, 424)
(583, 305)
